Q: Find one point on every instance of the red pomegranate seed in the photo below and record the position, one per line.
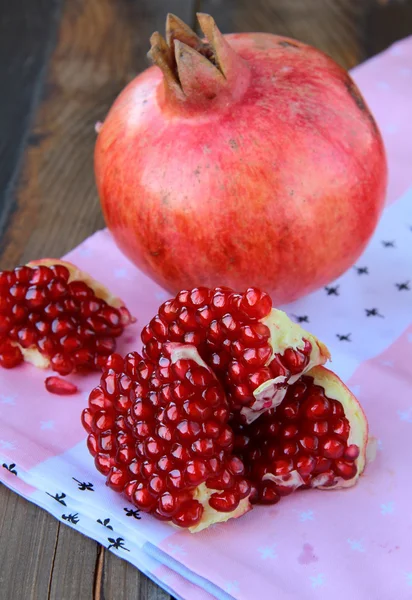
(332, 448)
(204, 316)
(256, 357)
(277, 368)
(316, 406)
(57, 289)
(5, 324)
(189, 514)
(23, 274)
(61, 271)
(10, 356)
(18, 291)
(255, 304)
(168, 311)
(340, 427)
(61, 387)
(351, 452)
(345, 469)
(294, 360)
(62, 364)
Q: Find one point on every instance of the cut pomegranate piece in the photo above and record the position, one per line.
(303, 443)
(53, 314)
(159, 432)
(59, 386)
(256, 351)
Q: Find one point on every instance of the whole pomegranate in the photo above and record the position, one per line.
(248, 159)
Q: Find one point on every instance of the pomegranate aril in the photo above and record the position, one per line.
(10, 356)
(80, 290)
(242, 394)
(268, 494)
(23, 274)
(183, 297)
(196, 472)
(322, 464)
(18, 291)
(309, 443)
(5, 324)
(305, 465)
(316, 406)
(351, 452)
(61, 387)
(6, 304)
(110, 316)
(117, 479)
(36, 298)
(57, 289)
(255, 304)
(159, 328)
(277, 368)
(331, 447)
(61, 271)
(340, 427)
(254, 334)
(143, 499)
(294, 360)
(61, 363)
(41, 276)
(224, 501)
(61, 326)
(47, 347)
(345, 469)
(220, 302)
(168, 311)
(337, 409)
(26, 337)
(7, 278)
(258, 377)
(256, 357)
(317, 428)
(229, 327)
(204, 316)
(199, 296)
(189, 514)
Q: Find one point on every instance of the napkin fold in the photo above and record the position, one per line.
(314, 544)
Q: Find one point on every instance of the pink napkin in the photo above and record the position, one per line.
(313, 544)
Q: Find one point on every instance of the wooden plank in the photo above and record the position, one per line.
(27, 31)
(387, 21)
(28, 542)
(330, 25)
(73, 569)
(122, 580)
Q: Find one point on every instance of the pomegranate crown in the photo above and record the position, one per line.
(198, 71)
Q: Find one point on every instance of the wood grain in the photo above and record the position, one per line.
(27, 34)
(28, 541)
(330, 25)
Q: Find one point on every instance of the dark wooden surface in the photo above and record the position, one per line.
(62, 63)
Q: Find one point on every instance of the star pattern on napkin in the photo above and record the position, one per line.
(405, 415)
(307, 515)
(388, 508)
(268, 552)
(317, 580)
(356, 545)
(10, 400)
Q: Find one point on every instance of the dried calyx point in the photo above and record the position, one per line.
(194, 69)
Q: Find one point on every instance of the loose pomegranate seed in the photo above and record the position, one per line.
(61, 387)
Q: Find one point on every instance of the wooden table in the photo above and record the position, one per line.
(62, 63)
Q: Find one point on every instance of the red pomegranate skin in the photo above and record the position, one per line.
(278, 183)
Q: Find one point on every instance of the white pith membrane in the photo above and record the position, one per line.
(335, 389)
(202, 493)
(284, 334)
(32, 355)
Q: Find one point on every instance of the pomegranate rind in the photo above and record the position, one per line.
(284, 334)
(211, 516)
(359, 429)
(32, 355)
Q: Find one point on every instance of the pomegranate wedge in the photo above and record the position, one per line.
(53, 314)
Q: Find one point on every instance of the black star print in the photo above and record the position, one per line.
(362, 270)
(105, 523)
(71, 518)
(83, 486)
(117, 544)
(403, 286)
(10, 468)
(390, 244)
(344, 338)
(332, 291)
(373, 312)
(132, 513)
(58, 498)
(302, 319)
